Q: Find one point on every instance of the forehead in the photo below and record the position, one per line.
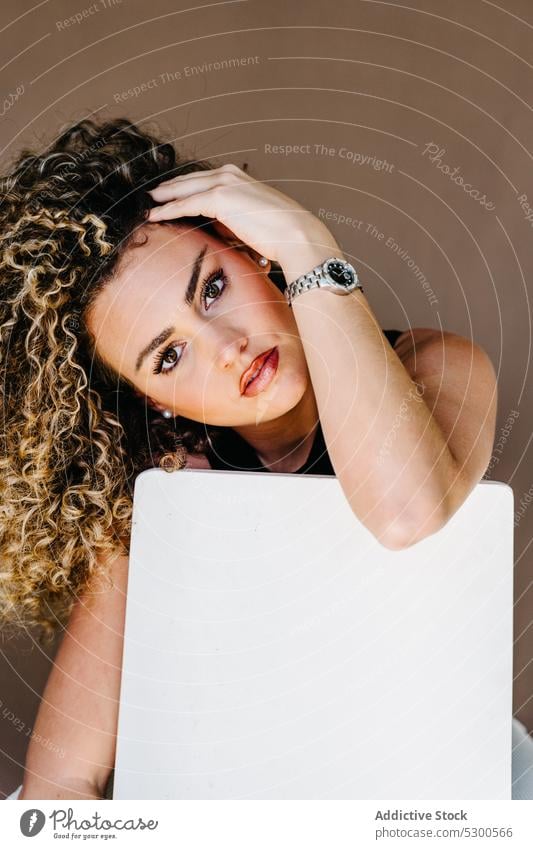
(158, 257)
(160, 250)
(153, 269)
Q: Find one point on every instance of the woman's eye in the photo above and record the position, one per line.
(210, 288)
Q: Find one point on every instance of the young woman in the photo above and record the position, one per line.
(144, 321)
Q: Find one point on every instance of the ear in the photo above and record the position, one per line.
(148, 400)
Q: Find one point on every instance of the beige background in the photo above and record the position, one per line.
(363, 78)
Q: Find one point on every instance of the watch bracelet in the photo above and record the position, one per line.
(305, 282)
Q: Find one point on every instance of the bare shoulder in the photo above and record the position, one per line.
(437, 350)
(412, 340)
(461, 391)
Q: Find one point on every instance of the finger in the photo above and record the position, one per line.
(197, 181)
(184, 192)
(191, 187)
(200, 172)
(227, 168)
(201, 203)
(181, 180)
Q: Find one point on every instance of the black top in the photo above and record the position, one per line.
(233, 453)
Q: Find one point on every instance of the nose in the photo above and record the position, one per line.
(228, 347)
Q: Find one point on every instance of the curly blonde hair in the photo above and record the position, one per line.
(75, 433)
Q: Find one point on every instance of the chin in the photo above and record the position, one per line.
(280, 403)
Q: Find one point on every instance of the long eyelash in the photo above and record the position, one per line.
(159, 362)
(215, 275)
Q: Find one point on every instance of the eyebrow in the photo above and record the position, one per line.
(190, 295)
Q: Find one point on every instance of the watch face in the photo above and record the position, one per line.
(341, 273)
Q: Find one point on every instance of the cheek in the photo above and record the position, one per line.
(199, 398)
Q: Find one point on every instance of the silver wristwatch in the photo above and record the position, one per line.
(335, 274)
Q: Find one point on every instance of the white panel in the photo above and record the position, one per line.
(275, 650)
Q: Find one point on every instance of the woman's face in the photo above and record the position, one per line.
(188, 355)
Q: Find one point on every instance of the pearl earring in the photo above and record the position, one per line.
(167, 414)
(263, 260)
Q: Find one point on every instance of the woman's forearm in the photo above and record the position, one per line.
(361, 386)
(72, 750)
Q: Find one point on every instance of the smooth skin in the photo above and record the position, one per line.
(335, 364)
(409, 431)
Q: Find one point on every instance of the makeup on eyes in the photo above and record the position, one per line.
(213, 277)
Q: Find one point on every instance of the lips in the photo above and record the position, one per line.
(254, 366)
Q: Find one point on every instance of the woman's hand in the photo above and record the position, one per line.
(268, 221)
